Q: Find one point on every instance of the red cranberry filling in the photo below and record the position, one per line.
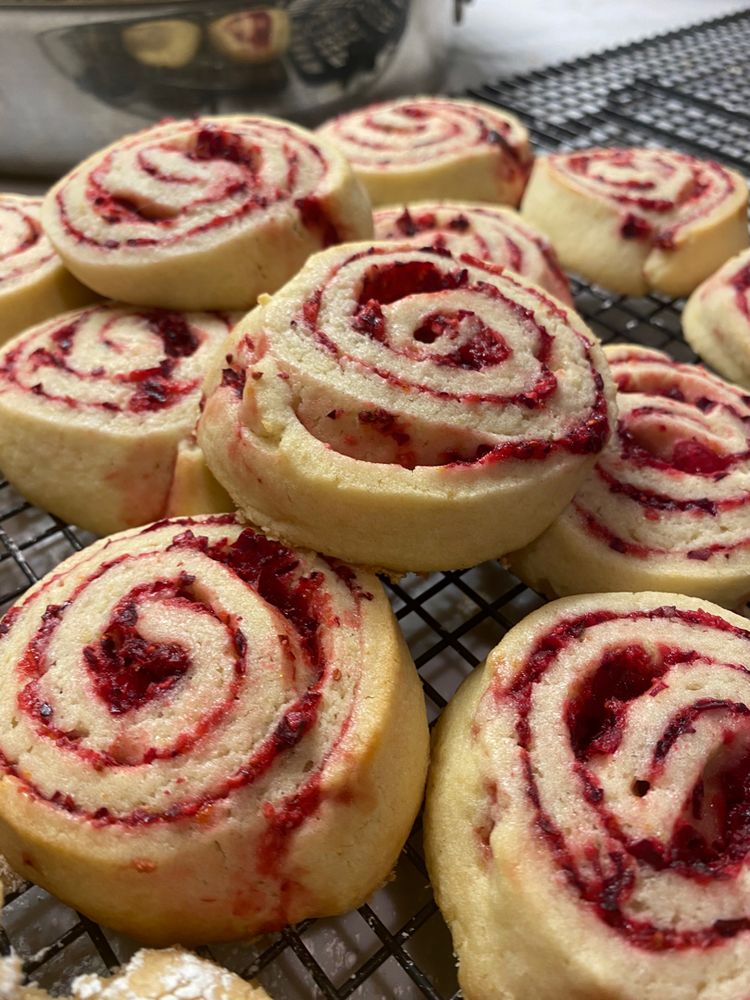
(127, 670)
(314, 216)
(398, 279)
(635, 228)
(213, 143)
(694, 457)
(652, 440)
(596, 715)
(712, 837)
(481, 347)
(253, 26)
(176, 334)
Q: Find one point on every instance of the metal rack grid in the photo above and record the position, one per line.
(686, 89)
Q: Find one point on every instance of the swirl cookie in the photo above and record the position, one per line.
(716, 320)
(488, 232)
(586, 823)
(206, 734)
(636, 220)
(406, 409)
(34, 284)
(428, 147)
(94, 406)
(251, 36)
(667, 503)
(204, 214)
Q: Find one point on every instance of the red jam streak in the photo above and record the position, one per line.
(111, 681)
(454, 129)
(32, 235)
(235, 193)
(315, 217)
(711, 839)
(680, 454)
(741, 283)
(235, 380)
(253, 26)
(392, 281)
(129, 671)
(153, 388)
(710, 184)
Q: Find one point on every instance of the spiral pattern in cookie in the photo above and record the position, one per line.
(483, 231)
(667, 503)
(115, 359)
(158, 217)
(658, 192)
(607, 742)
(33, 282)
(637, 220)
(426, 147)
(23, 247)
(94, 404)
(419, 374)
(716, 320)
(194, 710)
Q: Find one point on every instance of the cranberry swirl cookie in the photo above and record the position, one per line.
(406, 409)
(586, 826)
(636, 220)
(34, 284)
(716, 320)
(206, 734)
(488, 232)
(96, 411)
(428, 147)
(251, 36)
(204, 214)
(667, 504)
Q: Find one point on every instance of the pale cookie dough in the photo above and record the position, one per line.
(434, 147)
(94, 406)
(667, 505)
(405, 409)
(206, 735)
(34, 283)
(204, 214)
(164, 43)
(638, 220)
(487, 232)
(716, 320)
(585, 828)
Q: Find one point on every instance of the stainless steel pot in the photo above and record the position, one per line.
(75, 76)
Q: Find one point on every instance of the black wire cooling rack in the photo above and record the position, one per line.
(689, 90)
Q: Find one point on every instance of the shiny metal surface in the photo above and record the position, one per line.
(74, 77)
